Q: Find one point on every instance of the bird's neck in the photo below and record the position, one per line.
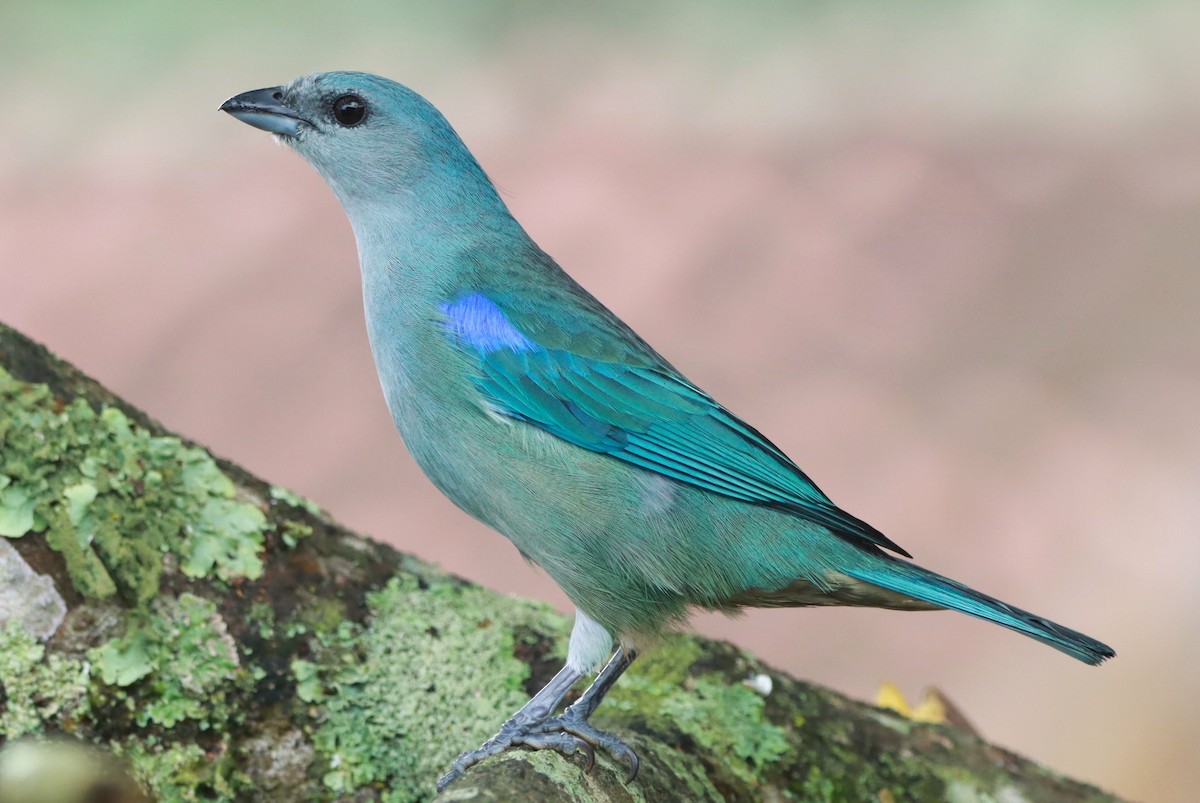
(416, 232)
(414, 256)
(420, 250)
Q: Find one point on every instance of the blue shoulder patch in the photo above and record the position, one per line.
(476, 321)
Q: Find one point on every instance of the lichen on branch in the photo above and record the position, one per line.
(227, 640)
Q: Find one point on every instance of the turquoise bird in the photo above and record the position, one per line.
(540, 413)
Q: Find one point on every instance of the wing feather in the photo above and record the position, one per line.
(643, 412)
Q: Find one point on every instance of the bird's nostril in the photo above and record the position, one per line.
(277, 95)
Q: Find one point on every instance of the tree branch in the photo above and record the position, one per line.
(228, 640)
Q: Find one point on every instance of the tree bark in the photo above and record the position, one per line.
(227, 640)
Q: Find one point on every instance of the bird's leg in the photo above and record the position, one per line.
(535, 726)
(574, 720)
(520, 728)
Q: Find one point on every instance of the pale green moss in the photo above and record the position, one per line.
(688, 776)
(437, 676)
(727, 719)
(16, 508)
(568, 781)
(667, 774)
(281, 494)
(184, 655)
(689, 782)
(113, 498)
(309, 687)
(185, 774)
(968, 792)
(293, 532)
(655, 677)
(322, 616)
(262, 616)
(837, 767)
(39, 689)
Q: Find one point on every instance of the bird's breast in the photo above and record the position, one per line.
(501, 471)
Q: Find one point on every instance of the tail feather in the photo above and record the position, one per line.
(922, 584)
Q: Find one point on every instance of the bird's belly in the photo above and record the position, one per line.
(534, 488)
(633, 549)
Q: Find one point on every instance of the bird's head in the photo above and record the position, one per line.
(372, 139)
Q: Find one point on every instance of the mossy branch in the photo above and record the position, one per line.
(229, 641)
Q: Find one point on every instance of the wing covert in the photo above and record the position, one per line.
(650, 416)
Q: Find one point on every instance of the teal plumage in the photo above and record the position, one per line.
(539, 412)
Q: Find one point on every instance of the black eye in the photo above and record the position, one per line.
(349, 110)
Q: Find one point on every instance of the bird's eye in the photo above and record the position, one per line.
(349, 110)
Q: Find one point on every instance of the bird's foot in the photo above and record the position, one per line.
(568, 733)
(574, 723)
(515, 733)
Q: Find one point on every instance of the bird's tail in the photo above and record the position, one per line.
(922, 584)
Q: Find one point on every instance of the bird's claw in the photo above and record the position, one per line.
(567, 734)
(531, 736)
(570, 722)
(565, 743)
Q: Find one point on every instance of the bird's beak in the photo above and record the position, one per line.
(265, 109)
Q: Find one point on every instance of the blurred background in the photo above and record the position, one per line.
(944, 254)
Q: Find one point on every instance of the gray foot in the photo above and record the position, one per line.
(573, 723)
(568, 733)
(529, 734)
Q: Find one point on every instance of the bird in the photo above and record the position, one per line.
(540, 413)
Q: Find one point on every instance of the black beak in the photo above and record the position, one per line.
(265, 109)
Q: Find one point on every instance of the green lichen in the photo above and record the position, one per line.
(568, 782)
(112, 497)
(184, 659)
(652, 679)
(843, 760)
(281, 494)
(322, 616)
(843, 775)
(262, 617)
(668, 774)
(16, 508)
(186, 773)
(727, 719)
(39, 689)
(307, 675)
(437, 675)
(689, 779)
(293, 532)
(969, 792)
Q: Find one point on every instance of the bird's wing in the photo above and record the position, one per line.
(592, 382)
